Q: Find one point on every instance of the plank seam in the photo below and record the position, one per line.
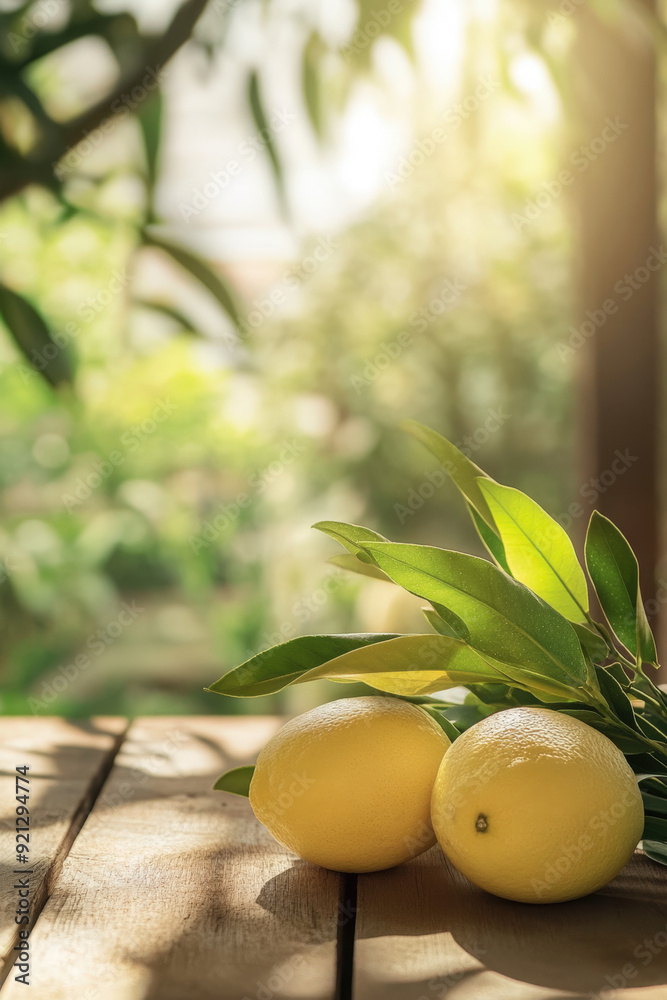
(79, 817)
(347, 919)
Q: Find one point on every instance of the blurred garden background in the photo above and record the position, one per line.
(286, 226)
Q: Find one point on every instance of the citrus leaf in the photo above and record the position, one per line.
(417, 665)
(655, 828)
(490, 540)
(201, 271)
(352, 536)
(614, 571)
(275, 668)
(538, 550)
(615, 696)
(33, 337)
(655, 850)
(654, 804)
(504, 618)
(592, 643)
(440, 624)
(237, 781)
(355, 565)
(462, 470)
(448, 728)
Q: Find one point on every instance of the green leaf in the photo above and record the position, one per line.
(275, 668)
(464, 473)
(538, 550)
(416, 665)
(615, 696)
(165, 309)
(34, 338)
(237, 781)
(202, 272)
(440, 621)
(504, 619)
(655, 828)
(352, 536)
(654, 804)
(592, 642)
(264, 129)
(310, 80)
(150, 121)
(613, 568)
(448, 728)
(355, 565)
(655, 850)
(490, 540)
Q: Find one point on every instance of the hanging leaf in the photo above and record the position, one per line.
(237, 781)
(538, 550)
(310, 80)
(150, 122)
(265, 133)
(34, 339)
(170, 311)
(201, 271)
(592, 642)
(614, 571)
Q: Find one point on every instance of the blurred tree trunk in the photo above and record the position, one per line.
(615, 81)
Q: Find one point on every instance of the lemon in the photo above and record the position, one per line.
(348, 785)
(536, 806)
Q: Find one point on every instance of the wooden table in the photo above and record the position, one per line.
(147, 884)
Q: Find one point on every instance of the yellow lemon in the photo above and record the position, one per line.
(348, 785)
(536, 806)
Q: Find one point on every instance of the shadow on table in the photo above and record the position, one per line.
(614, 939)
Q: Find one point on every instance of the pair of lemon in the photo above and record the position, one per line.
(529, 804)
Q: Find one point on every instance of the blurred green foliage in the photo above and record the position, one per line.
(180, 475)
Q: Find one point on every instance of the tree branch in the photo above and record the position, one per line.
(155, 55)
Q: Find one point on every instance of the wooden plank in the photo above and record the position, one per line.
(424, 933)
(175, 891)
(68, 762)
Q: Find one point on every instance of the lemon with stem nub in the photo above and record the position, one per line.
(536, 806)
(348, 785)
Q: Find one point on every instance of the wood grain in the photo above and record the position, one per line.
(424, 933)
(68, 761)
(175, 891)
